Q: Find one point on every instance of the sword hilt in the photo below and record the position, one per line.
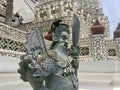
(75, 51)
(75, 54)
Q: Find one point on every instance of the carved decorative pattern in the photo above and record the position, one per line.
(118, 42)
(53, 9)
(4, 52)
(12, 33)
(112, 52)
(84, 51)
(98, 47)
(87, 12)
(3, 4)
(8, 44)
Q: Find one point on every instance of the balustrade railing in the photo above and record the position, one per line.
(10, 53)
(85, 58)
(11, 41)
(12, 33)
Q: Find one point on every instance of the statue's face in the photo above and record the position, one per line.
(62, 33)
(64, 37)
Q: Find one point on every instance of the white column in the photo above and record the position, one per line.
(99, 52)
(118, 42)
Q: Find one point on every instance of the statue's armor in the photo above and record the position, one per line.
(56, 77)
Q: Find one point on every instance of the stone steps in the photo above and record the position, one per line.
(108, 79)
(11, 81)
(15, 86)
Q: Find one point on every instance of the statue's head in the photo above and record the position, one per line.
(59, 32)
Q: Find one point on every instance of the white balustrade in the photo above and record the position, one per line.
(12, 33)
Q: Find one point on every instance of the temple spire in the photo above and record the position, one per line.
(117, 32)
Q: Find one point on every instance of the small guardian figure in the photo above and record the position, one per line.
(51, 69)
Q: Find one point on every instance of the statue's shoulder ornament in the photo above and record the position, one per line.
(61, 62)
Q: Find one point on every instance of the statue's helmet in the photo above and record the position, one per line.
(59, 32)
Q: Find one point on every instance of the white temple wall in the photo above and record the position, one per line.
(10, 64)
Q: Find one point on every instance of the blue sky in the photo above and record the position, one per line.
(111, 9)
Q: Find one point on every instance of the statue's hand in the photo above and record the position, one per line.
(75, 51)
(75, 63)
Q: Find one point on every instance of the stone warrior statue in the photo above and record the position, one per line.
(51, 70)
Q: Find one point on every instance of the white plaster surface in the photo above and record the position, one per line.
(8, 64)
(102, 66)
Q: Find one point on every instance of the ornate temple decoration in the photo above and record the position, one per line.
(98, 44)
(2, 10)
(3, 5)
(111, 49)
(84, 51)
(117, 32)
(11, 40)
(85, 45)
(11, 45)
(88, 12)
(112, 52)
(12, 33)
(117, 38)
(98, 47)
(118, 41)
